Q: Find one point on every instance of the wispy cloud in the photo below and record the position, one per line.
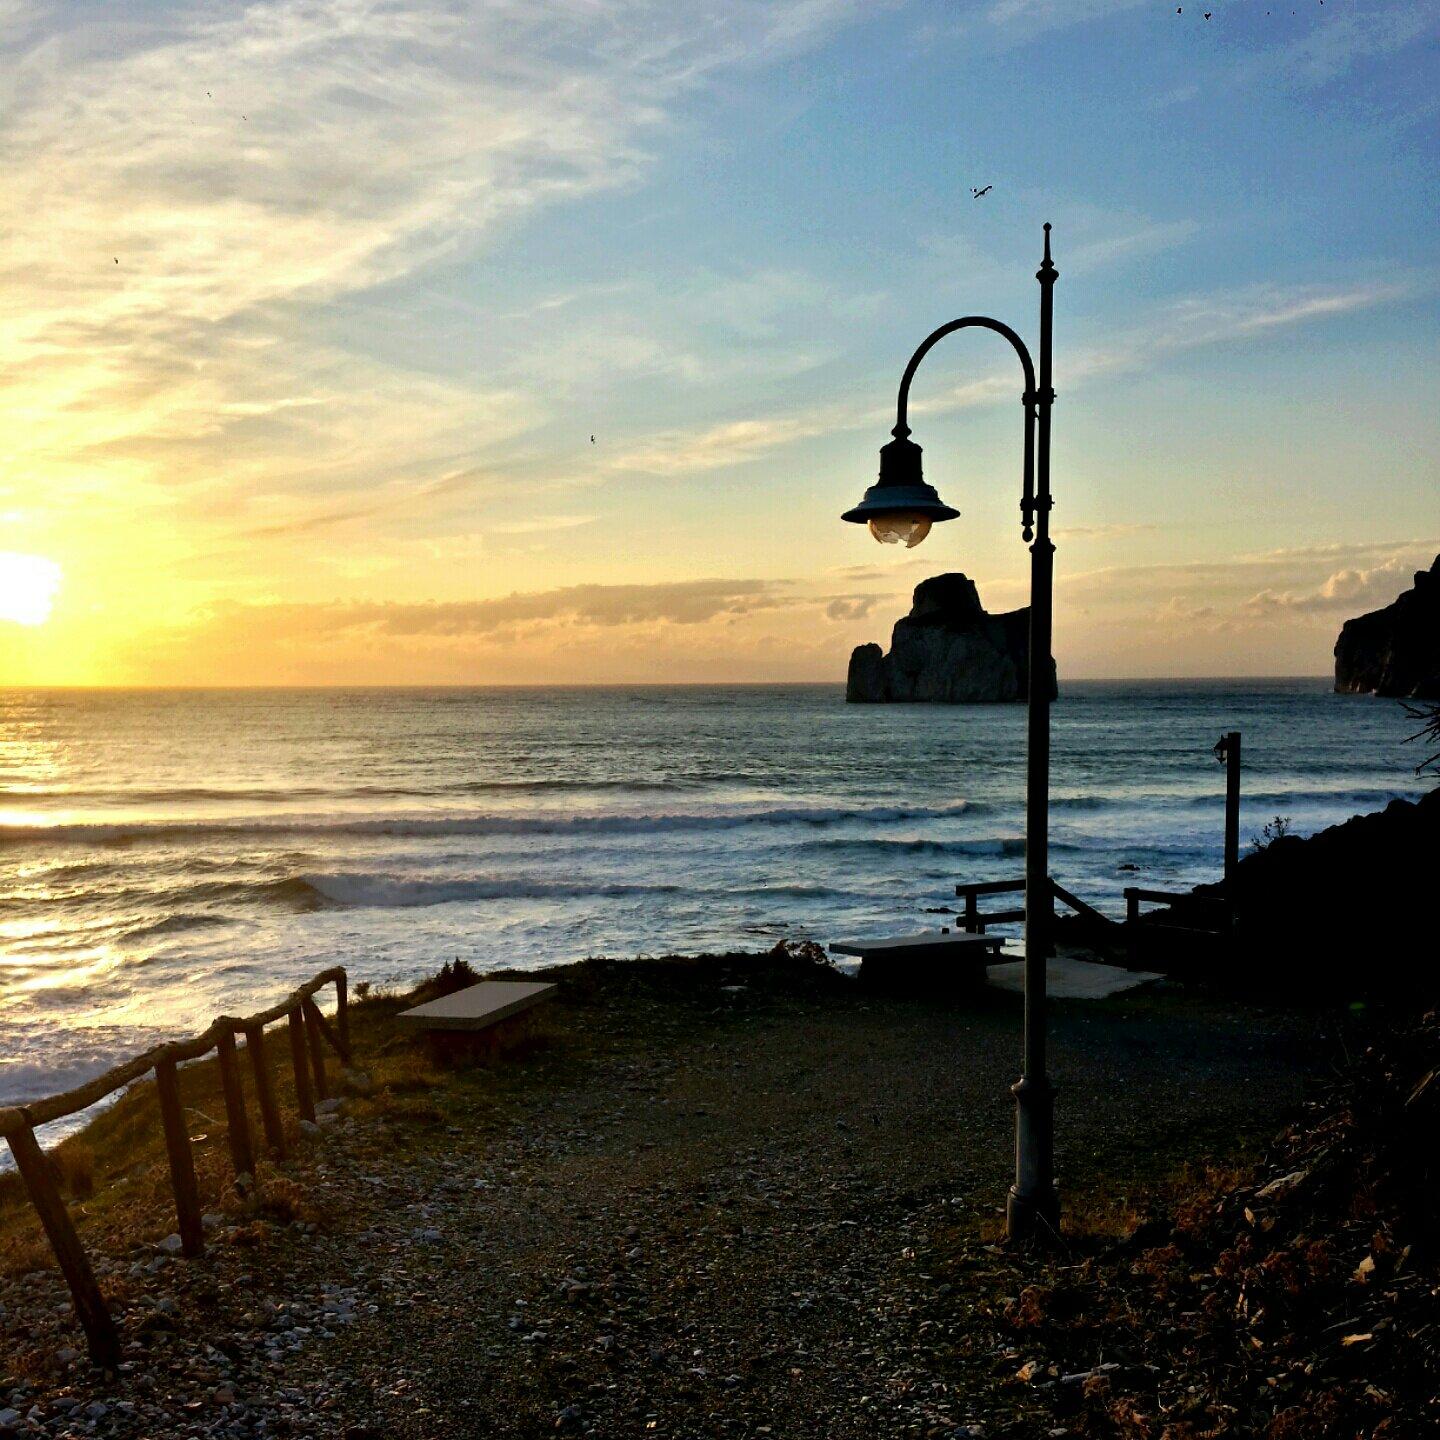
(646, 630)
(1350, 590)
(1340, 39)
(1100, 532)
(1227, 317)
(1300, 584)
(1021, 20)
(180, 194)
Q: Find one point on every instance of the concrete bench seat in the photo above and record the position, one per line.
(928, 957)
(480, 1017)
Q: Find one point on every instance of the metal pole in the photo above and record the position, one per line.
(1231, 752)
(1033, 1203)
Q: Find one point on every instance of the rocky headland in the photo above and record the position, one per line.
(949, 649)
(1395, 651)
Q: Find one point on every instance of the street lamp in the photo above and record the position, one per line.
(901, 507)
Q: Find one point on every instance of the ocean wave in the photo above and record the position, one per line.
(1353, 799)
(880, 845)
(371, 891)
(181, 794)
(90, 833)
(1367, 799)
(175, 925)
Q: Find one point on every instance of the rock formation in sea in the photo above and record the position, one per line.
(947, 649)
(1395, 651)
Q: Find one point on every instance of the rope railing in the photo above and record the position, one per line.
(309, 1032)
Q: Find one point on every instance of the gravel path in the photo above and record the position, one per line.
(701, 1213)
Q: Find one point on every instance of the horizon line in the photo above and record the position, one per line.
(6, 688)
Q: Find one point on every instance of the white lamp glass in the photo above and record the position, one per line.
(900, 526)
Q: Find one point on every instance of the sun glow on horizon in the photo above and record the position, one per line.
(28, 586)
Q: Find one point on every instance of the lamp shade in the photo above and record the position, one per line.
(900, 492)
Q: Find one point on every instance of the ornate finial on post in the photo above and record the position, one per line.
(1047, 271)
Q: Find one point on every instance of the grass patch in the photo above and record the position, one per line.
(115, 1173)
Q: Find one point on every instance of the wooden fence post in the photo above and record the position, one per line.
(304, 1096)
(1228, 750)
(236, 1121)
(100, 1332)
(342, 1014)
(317, 1048)
(182, 1161)
(264, 1091)
(328, 1031)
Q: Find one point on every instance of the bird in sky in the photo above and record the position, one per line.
(978, 193)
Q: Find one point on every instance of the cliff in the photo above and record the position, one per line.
(948, 649)
(1395, 651)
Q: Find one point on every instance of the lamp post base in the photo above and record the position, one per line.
(1027, 1217)
(1033, 1206)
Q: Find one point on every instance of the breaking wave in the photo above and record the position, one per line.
(441, 825)
(366, 891)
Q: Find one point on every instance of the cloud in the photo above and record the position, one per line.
(1016, 21)
(850, 607)
(1225, 317)
(1177, 610)
(1350, 590)
(1243, 571)
(884, 571)
(540, 525)
(662, 631)
(1339, 40)
(183, 194)
(681, 602)
(734, 442)
(1099, 532)
(1334, 39)
(1308, 588)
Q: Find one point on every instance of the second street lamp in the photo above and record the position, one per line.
(901, 507)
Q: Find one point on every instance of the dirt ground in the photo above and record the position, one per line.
(705, 1204)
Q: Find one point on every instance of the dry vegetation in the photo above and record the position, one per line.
(115, 1175)
(1296, 1299)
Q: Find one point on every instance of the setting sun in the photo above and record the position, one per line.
(27, 587)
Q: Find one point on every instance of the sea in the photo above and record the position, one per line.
(167, 856)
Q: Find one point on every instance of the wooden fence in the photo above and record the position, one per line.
(975, 922)
(309, 1031)
(1194, 918)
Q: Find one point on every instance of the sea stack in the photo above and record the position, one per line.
(947, 650)
(1395, 651)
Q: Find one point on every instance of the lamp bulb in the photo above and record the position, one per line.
(900, 526)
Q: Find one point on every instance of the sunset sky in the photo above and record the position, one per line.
(309, 310)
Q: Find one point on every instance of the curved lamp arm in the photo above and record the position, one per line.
(1029, 399)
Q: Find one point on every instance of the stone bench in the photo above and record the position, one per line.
(482, 1017)
(923, 960)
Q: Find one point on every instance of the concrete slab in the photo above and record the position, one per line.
(479, 1006)
(1067, 978)
(923, 942)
